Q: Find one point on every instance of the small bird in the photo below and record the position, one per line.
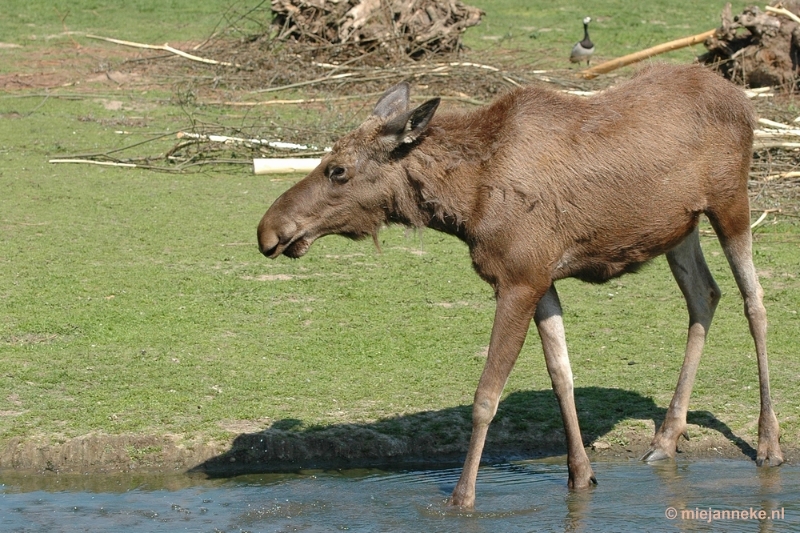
(585, 48)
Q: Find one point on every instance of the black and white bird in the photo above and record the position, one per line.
(585, 48)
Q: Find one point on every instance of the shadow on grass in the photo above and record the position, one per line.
(527, 425)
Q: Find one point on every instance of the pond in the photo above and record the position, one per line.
(524, 496)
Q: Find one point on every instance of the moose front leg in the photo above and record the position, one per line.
(515, 307)
(550, 324)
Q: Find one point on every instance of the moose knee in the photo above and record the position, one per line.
(483, 410)
(754, 306)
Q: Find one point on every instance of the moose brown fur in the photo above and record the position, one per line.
(544, 186)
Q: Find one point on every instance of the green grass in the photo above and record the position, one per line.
(153, 21)
(137, 302)
(545, 31)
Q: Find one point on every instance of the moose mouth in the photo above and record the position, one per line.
(297, 248)
(294, 249)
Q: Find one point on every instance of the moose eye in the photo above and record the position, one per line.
(337, 174)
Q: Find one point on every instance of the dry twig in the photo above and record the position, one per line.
(783, 11)
(166, 48)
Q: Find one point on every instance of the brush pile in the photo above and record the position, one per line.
(757, 48)
(397, 28)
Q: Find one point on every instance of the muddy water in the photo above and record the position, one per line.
(723, 495)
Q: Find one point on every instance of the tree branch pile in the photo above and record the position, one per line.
(757, 48)
(398, 28)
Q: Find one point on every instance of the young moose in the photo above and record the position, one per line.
(544, 186)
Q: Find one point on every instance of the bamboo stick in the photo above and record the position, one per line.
(641, 55)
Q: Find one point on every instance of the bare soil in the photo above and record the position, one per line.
(277, 451)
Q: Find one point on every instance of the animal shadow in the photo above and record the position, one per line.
(527, 425)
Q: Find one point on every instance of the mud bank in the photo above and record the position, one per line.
(277, 450)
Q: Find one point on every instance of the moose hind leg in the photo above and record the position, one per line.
(549, 322)
(702, 295)
(738, 250)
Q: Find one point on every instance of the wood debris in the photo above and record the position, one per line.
(757, 48)
(399, 28)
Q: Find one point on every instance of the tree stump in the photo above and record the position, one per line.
(755, 48)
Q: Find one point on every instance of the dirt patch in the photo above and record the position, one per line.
(273, 277)
(86, 67)
(106, 453)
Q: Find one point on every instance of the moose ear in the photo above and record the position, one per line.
(393, 101)
(407, 127)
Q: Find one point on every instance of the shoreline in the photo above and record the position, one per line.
(277, 451)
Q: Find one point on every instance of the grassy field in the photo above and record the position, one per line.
(546, 31)
(136, 302)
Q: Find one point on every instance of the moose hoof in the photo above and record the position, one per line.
(656, 454)
(769, 448)
(769, 456)
(582, 478)
(582, 484)
(460, 504)
(461, 501)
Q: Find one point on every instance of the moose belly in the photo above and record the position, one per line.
(598, 258)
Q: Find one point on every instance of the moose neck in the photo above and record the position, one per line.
(441, 175)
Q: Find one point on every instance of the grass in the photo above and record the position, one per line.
(543, 33)
(137, 302)
(42, 23)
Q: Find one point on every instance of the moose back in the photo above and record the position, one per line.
(543, 186)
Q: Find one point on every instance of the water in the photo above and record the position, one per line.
(517, 497)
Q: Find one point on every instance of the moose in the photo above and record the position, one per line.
(541, 186)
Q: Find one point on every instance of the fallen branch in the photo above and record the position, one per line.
(288, 165)
(115, 164)
(784, 12)
(782, 175)
(759, 92)
(92, 162)
(761, 145)
(177, 169)
(759, 221)
(763, 217)
(476, 65)
(297, 101)
(166, 48)
(334, 77)
(772, 134)
(778, 135)
(614, 64)
(239, 140)
(773, 124)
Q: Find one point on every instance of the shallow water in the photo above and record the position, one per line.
(521, 496)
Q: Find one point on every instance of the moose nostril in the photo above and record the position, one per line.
(269, 252)
(268, 241)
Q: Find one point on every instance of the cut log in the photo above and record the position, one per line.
(288, 165)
